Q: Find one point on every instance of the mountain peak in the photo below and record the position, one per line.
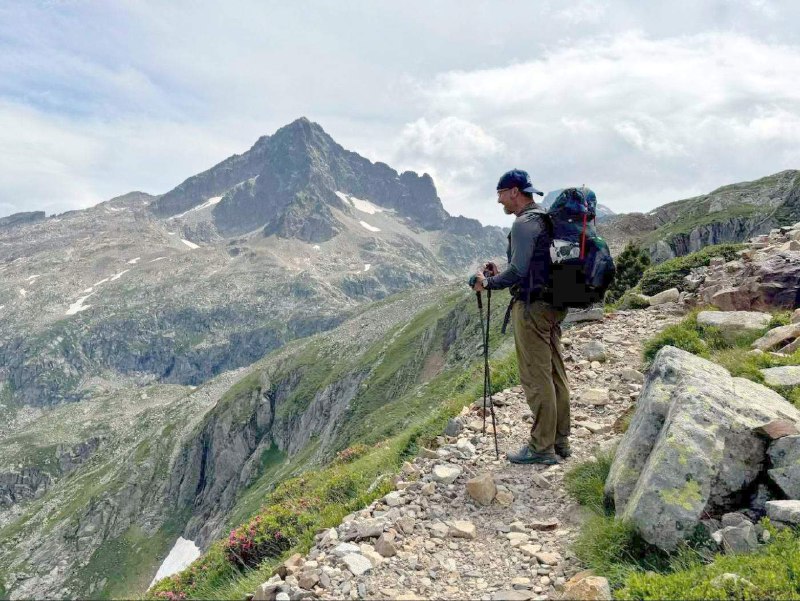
(258, 187)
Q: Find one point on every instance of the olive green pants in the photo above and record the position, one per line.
(537, 336)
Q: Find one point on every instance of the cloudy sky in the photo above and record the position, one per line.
(645, 102)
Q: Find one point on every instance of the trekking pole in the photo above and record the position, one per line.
(486, 376)
(487, 371)
(483, 342)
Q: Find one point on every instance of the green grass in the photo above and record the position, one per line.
(684, 335)
(670, 274)
(321, 498)
(585, 482)
(128, 562)
(773, 572)
(609, 546)
(735, 355)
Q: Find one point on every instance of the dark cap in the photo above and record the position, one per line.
(517, 178)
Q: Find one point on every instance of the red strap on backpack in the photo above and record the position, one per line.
(583, 237)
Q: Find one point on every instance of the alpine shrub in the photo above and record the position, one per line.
(268, 535)
(631, 265)
(670, 274)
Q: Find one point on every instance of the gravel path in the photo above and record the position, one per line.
(430, 539)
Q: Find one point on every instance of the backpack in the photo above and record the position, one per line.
(580, 262)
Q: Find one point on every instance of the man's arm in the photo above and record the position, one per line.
(523, 235)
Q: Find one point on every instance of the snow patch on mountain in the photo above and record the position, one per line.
(157, 259)
(360, 204)
(191, 245)
(117, 276)
(23, 293)
(209, 203)
(367, 266)
(78, 305)
(369, 227)
(182, 554)
(134, 261)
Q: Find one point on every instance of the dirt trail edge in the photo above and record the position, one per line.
(507, 534)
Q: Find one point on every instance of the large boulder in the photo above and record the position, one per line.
(733, 324)
(785, 375)
(785, 456)
(778, 337)
(691, 448)
(666, 296)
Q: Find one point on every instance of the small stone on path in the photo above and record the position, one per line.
(357, 563)
(482, 488)
(463, 529)
(446, 474)
(595, 396)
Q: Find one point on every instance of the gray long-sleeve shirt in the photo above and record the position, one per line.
(524, 231)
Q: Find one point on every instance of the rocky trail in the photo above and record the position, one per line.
(464, 524)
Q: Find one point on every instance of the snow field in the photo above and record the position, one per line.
(369, 227)
(183, 553)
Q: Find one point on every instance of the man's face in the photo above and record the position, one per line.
(507, 197)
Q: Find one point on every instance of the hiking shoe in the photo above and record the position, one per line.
(563, 449)
(527, 456)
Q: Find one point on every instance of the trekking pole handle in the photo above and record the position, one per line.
(480, 300)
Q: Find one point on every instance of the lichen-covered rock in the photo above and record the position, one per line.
(691, 447)
(734, 323)
(785, 456)
(785, 375)
(787, 512)
(667, 296)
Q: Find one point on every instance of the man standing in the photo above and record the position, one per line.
(536, 322)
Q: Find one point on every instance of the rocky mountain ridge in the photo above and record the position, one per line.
(732, 213)
(230, 277)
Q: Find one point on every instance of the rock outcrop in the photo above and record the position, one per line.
(765, 277)
(732, 213)
(691, 448)
(784, 454)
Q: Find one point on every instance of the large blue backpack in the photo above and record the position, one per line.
(581, 265)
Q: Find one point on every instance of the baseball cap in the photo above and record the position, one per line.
(517, 178)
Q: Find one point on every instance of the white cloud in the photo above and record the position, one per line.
(647, 102)
(450, 138)
(639, 119)
(55, 163)
(452, 151)
(581, 11)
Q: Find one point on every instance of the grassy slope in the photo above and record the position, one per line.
(393, 414)
(694, 212)
(138, 455)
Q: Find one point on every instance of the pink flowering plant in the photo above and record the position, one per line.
(268, 535)
(350, 454)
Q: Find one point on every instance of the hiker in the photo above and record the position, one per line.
(536, 322)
